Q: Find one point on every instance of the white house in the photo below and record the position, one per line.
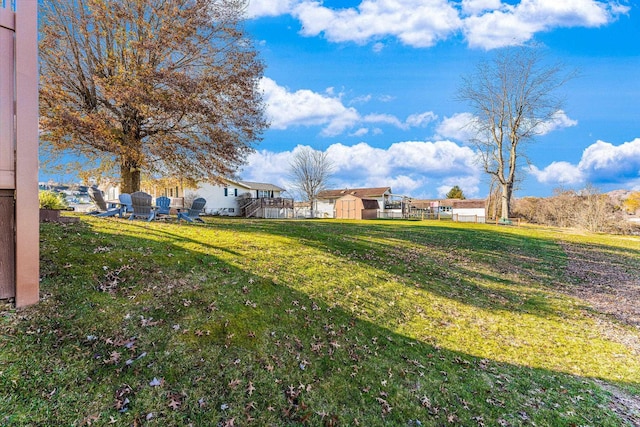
(243, 198)
(469, 207)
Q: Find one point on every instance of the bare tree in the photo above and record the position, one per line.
(309, 171)
(513, 100)
(154, 86)
(597, 210)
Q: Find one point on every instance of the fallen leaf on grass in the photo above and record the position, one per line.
(175, 402)
(121, 399)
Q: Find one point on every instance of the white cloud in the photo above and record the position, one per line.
(438, 158)
(562, 173)
(510, 25)
(413, 168)
(458, 127)
(559, 120)
(486, 24)
(267, 166)
(601, 163)
(361, 99)
(419, 23)
(422, 119)
(497, 29)
(386, 98)
(383, 118)
(305, 108)
(474, 7)
(259, 8)
(470, 185)
(360, 159)
(605, 162)
(360, 132)
(414, 120)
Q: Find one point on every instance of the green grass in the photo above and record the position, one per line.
(256, 322)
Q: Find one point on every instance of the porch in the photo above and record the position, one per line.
(266, 207)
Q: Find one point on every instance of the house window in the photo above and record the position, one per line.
(226, 191)
(332, 201)
(235, 192)
(171, 192)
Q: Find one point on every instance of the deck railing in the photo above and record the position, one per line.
(251, 207)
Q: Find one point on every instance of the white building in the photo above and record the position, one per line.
(243, 198)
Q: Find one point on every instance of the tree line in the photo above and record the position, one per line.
(587, 209)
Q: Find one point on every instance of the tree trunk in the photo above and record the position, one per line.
(130, 176)
(506, 199)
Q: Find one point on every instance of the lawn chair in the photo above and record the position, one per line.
(104, 209)
(141, 204)
(193, 213)
(163, 206)
(125, 203)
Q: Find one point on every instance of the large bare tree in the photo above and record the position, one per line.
(309, 171)
(513, 98)
(150, 86)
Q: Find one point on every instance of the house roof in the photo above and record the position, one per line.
(454, 203)
(260, 186)
(469, 204)
(358, 192)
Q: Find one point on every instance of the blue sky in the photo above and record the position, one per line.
(373, 83)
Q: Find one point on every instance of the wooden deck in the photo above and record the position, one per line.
(277, 207)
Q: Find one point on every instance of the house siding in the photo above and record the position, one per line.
(226, 203)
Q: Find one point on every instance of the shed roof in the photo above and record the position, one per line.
(358, 192)
(370, 204)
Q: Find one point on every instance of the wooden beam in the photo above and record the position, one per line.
(27, 205)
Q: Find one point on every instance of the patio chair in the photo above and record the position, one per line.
(125, 203)
(104, 209)
(193, 213)
(141, 203)
(163, 205)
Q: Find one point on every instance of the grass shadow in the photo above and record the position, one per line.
(208, 341)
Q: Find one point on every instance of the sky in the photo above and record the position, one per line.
(373, 83)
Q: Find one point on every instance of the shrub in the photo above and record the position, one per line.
(51, 200)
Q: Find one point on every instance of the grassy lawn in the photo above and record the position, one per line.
(256, 322)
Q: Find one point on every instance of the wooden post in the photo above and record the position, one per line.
(7, 155)
(27, 204)
(19, 135)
